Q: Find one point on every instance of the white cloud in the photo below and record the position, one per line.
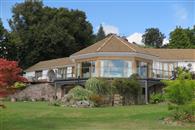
(165, 41)
(135, 37)
(181, 14)
(110, 29)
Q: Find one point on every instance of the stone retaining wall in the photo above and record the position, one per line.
(43, 91)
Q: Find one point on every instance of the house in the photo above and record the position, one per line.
(113, 57)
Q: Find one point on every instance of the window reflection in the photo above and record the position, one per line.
(88, 69)
(166, 70)
(115, 68)
(142, 69)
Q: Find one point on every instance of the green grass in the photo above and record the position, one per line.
(41, 116)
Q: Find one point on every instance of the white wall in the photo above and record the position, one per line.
(29, 75)
(44, 75)
(158, 65)
(185, 64)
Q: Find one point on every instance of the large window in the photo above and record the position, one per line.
(61, 73)
(142, 69)
(166, 70)
(157, 70)
(69, 72)
(38, 74)
(163, 69)
(88, 69)
(115, 68)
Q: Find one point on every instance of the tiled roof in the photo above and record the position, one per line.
(50, 64)
(111, 43)
(114, 43)
(173, 54)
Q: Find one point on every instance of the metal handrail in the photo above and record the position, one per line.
(151, 72)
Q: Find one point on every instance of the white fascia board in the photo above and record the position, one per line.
(120, 54)
(175, 60)
(55, 67)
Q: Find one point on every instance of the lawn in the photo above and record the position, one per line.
(41, 116)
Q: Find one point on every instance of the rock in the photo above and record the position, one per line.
(33, 100)
(13, 99)
(83, 103)
(73, 105)
(168, 120)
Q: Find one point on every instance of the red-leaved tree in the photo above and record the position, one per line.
(10, 73)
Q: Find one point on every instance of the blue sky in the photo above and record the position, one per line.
(125, 17)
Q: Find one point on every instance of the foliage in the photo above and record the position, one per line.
(127, 88)
(98, 86)
(56, 103)
(79, 93)
(181, 90)
(3, 41)
(135, 76)
(9, 75)
(153, 37)
(180, 38)
(97, 100)
(183, 73)
(156, 98)
(180, 94)
(100, 34)
(38, 30)
(19, 85)
(183, 112)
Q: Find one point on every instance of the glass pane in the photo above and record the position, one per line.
(86, 69)
(142, 69)
(69, 72)
(115, 68)
(93, 69)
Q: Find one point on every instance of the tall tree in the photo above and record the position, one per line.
(100, 34)
(179, 38)
(3, 41)
(153, 37)
(42, 33)
(191, 35)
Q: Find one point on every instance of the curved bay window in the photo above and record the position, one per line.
(115, 68)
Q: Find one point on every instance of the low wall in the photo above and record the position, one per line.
(43, 91)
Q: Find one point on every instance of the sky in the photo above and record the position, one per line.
(127, 18)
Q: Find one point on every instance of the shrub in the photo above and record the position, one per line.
(97, 100)
(98, 86)
(79, 93)
(156, 98)
(180, 94)
(179, 91)
(55, 103)
(135, 76)
(183, 112)
(19, 85)
(127, 88)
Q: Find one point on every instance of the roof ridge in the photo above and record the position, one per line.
(99, 48)
(126, 44)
